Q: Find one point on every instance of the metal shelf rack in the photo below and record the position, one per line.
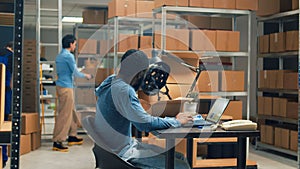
(280, 19)
(212, 12)
(271, 147)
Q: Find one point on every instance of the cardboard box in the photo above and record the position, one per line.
(202, 3)
(227, 4)
(260, 105)
(2, 92)
(295, 4)
(30, 123)
(292, 40)
(272, 78)
(144, 9)
(280, 78)
(282, 107)
(292, 110)
(85, 96)
(180, 144)
(121, 8)
(291, 81)
(277, 42)
(25, 144)
(263, 83)
(268, 106)
(159, 3)
(267, 134)
(233, 81)
(106, 46)
(276, 106)
(189, 58)
(148, 99)
(102, 74)
(35, 140)
(221, 23)
(177, 90)
(282, 138)
(227, 41)
(208, 81)
(277, 137)
(176, 39)
(198, 21)
(145, 42)
(234, 109)
(87, 46)
(264, 44)
(203, 40)
(268, 7)
(127, 41)
(294, 140)
(247, 4)
(169, 108)
(94, 16)
(285, 138)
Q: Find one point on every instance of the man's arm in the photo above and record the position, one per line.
(73, 67)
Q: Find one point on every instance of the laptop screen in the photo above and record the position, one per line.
(217, 110)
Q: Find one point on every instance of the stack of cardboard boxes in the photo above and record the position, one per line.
(279, 137)
(30, 133)
(30, 69)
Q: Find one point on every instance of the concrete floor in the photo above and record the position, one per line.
(81, 157)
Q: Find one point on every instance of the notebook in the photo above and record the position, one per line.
(213, 116)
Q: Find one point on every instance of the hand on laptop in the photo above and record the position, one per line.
(184, 118)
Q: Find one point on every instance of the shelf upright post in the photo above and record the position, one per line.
(17, 85)
(116, 41)
(163, 28)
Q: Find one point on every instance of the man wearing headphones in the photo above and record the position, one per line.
(118, 108)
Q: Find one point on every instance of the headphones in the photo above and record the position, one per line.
(155, 77)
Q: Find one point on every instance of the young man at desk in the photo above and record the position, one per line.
(118, 108)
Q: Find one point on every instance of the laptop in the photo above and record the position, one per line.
(213, 116)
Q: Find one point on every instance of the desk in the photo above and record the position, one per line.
(5, 132)
(189, 133)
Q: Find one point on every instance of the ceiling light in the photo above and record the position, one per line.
(72, 19)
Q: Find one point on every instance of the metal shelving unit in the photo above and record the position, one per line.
(87, 31)
(212, 12)
(280, 19)
(271, 147)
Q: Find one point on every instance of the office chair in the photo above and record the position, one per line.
(105, 158)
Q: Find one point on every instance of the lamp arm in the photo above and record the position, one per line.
(199, 70)
(166, 92)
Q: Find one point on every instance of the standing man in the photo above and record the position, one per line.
(66, 121)
(6, 58)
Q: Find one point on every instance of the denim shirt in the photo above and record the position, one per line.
(66, 69)
(117, 109)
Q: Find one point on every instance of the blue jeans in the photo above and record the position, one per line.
(7, 110)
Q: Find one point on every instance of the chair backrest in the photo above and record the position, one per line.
(105, 158)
